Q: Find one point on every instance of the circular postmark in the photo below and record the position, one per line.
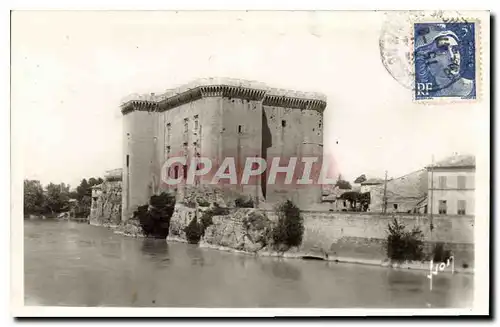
(396, 41)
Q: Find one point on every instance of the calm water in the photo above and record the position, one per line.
(77, 264)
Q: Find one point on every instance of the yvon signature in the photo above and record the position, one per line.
(441, 267)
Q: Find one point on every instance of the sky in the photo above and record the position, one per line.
(70, 71)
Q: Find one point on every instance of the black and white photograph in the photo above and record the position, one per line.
(193, 163)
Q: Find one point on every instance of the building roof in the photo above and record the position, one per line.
(455, 162)
(114, 174)
(373, 181)
(409, 186)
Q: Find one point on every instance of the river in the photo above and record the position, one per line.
(75, 264)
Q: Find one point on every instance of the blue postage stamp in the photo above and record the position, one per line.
(445, 65)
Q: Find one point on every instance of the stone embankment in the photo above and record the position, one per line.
(332, 236)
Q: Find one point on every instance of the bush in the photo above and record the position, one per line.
(203, 203)
(243, 203)
(190, 204)
(155, 217)
(289, 229)
(206, 217)
(403, 245)
(193, 231)
(440, 254)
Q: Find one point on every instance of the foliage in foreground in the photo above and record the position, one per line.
(155, 217)
(440, 253)
(289, 229)
(195, 230)
(243, 203)
(403, 245)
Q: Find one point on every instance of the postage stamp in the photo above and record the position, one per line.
(433, 54)
(444, 60)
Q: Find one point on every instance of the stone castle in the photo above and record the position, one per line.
(219, 118)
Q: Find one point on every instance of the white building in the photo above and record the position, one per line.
(452, 186)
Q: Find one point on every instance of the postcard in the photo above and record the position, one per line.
(250, 163)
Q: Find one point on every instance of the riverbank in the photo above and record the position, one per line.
(295, 254)
(103, 269)
(243, 231)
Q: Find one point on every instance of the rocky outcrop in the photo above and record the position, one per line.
(244, 229)
(131, 227)
(107, 204)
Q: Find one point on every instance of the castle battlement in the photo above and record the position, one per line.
(224, 87)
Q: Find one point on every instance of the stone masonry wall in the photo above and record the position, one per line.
(107, 209)
(336, 235)
(363, 235)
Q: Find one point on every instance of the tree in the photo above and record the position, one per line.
(33, 197)
(155, 217)
(289, 229)
(57, 196)
(343, 185)
(95, 181)
(403, 245)
(83, 189)
(360, 179)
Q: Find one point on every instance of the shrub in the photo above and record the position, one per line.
(155, 217)
(403, 245)
(243, 203)
(440, 254)
(193, 231)
(289, 229)
(190, 204)
(206, 217)
(203, 203)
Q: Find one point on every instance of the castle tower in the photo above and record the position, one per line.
(218, 119)
(139, 138)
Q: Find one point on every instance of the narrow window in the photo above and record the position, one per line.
(127, 160)
(395, 205)
(176, 172)
(442, 207)
(461, 205)
(240, 129)
(185, 171)
(283, 123)
(167, 136)
(196, 122)
(461, 182)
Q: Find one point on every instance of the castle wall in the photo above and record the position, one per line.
(298, 133)
(138, 144)
(241, 138)
(202, 137)
(218, 121)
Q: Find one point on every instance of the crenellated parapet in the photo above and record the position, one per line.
(226, 88)
(139, 105)
(295, 103)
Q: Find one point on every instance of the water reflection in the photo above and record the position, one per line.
(82, 265)
(156, 250)
(284, 270)
(195, 254)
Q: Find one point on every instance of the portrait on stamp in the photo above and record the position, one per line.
(444, 60)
